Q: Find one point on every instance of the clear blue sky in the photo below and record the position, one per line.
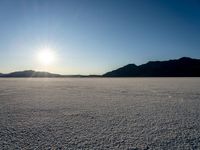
(95, 36)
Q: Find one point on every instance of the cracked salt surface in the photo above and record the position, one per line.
(100, 113)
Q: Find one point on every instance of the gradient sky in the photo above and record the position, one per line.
(96, 36)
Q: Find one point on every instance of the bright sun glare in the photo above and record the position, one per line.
(46, 56)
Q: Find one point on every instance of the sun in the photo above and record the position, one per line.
(46, 56)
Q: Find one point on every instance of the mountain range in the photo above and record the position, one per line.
(183, 67)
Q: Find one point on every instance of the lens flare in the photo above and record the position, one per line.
(46, 56)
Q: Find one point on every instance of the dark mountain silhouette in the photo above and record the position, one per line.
(183, 67)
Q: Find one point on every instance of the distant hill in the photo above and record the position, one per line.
(38, 74)
(183, 67)
(30, 73)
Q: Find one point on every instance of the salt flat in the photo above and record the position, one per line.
(100, 113)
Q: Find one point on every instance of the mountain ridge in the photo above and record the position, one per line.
(182, 67)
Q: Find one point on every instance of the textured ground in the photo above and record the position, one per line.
(131, 113)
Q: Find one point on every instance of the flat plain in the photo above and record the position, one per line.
(100, 113)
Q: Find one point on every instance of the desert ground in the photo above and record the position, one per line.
(100, 113)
